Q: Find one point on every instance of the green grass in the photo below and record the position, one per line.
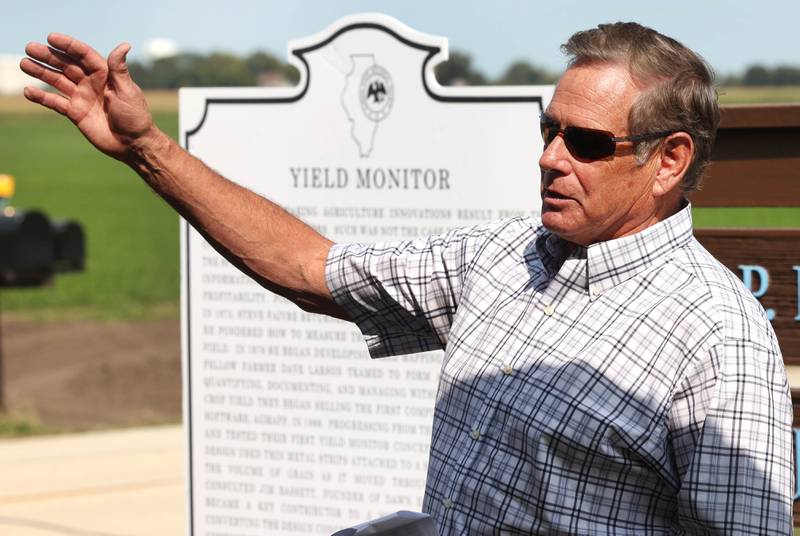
(747, 217)
(132, 236)
(20, 426)
(759, 95)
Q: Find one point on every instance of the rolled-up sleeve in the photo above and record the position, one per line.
(403, 295)
(731, 441)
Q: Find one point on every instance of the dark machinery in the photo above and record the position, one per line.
(32, 248)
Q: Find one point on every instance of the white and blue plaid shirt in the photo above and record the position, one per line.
(631, 387)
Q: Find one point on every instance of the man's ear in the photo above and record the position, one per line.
(673, 158)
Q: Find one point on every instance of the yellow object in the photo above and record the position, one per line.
(6, 186)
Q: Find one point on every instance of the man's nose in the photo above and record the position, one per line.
(555, 155)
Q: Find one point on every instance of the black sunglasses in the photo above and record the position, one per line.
(588, 143)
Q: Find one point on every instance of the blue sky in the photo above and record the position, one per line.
(730, 35)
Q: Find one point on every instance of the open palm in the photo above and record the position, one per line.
(96, 94)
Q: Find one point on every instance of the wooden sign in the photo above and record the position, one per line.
(756, 163)
(768, 262)
(755, 160)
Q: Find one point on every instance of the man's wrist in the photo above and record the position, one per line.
(147, 148)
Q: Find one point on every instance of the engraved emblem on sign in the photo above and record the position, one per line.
(376, 93)
(367, 98)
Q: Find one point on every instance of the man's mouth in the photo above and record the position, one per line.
(554, 195)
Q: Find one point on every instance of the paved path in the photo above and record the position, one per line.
(118, 483)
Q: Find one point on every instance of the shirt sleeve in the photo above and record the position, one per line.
(403, 295)
(731, 438)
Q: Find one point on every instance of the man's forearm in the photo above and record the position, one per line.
(278, 250)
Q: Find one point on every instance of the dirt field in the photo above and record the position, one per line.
(74, 375)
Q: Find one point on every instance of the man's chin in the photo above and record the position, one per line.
(555, 222)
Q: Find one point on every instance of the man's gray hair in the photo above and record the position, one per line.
(678, 86)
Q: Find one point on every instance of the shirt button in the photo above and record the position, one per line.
(549, 310)
(448, 503)
(475, 434)
(595, 292)
(506, 369)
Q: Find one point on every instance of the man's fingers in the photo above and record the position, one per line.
(117, 67)
(50, 100)
(73, 71)
(48, 76)
(83, 54)
(44, 54)
(55, 59)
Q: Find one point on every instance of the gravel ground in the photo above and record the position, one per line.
(78, 375)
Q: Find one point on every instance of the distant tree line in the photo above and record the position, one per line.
(217, 69)
(221, 69)
(262, 68)
(758, 75)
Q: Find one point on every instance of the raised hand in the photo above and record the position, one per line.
(96, 94)
(269, 244)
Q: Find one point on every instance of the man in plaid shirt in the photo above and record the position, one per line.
(603, 373)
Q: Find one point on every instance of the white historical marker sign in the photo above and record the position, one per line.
(292, 428)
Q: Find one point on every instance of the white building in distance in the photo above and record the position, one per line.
(12, 79)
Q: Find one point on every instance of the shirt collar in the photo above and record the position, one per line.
(553, 251)
(610, 263)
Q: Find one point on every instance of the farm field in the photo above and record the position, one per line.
(760, 95)
(99, 348)
(132, 236)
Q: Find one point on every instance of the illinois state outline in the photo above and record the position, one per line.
(362, 127)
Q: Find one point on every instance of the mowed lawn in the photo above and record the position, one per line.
(132, 267)
(132, 236)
